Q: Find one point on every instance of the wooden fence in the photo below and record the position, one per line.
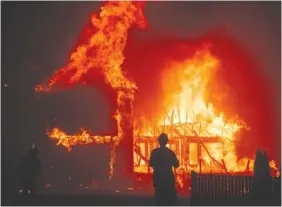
(215, 189)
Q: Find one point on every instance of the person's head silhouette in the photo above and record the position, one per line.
(163, 139)
(33, 152)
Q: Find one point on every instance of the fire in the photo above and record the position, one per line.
(187, 107)
(272, 165)
(189, 104)
(103, 50)
(188, 115)
(84, 137)
(202, 136)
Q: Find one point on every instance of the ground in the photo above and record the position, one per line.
(88, 200)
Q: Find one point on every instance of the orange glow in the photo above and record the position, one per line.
(188, 114)
(106, 45)
(193, 154)
(108, 40)
(272, 165)
(187, 107)
(84, 137)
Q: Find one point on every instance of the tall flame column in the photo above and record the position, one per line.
(124, 117)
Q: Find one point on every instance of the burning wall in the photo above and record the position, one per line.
(186, 86)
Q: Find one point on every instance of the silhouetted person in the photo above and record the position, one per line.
(22, 172)
(163, 160)
(28, 172)
(262, 180)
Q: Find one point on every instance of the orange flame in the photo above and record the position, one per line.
(103, 50)
(189, 105)
(272, 165)
(190, 114)
(185, 103)
(68, 141)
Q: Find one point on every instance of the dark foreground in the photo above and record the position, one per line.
(232, 202)
(87, 200)
(118, 200)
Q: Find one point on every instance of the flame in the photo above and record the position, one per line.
(272, 165)
(179, 181)
(103, 50)
(84, 137)
(187, 106)
(187, 111)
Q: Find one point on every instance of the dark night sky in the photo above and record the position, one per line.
(38, 36)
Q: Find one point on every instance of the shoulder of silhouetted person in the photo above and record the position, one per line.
(156, 150)
(34, 152)
(169, 151)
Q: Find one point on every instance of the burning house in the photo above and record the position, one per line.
(202, 137)
(202, 140)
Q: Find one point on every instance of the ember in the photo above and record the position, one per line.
(202, 136)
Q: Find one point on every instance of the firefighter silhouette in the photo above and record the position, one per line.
(163, 160)
(28, 171)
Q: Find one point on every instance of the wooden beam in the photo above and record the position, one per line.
(189, 139)
(212, 158)
(199, 157)
(171, 123)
